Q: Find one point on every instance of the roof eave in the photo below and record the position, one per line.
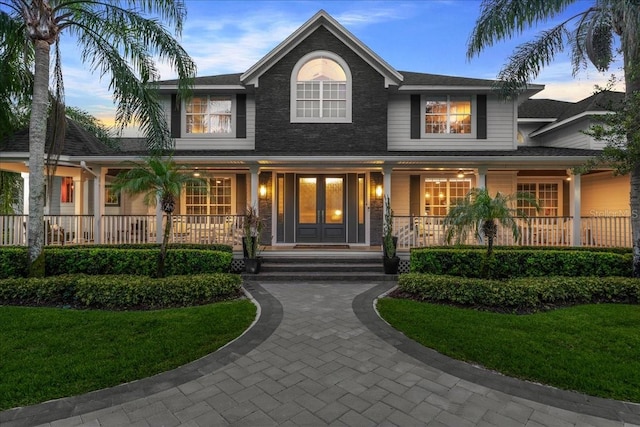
(567, 121)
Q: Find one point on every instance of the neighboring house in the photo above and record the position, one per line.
(318, 132)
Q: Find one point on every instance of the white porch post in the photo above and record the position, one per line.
(386, 181)
(98, 203)
(159, 227)
(575, 209)
(255, 170)
(25, 193)
(481, 178)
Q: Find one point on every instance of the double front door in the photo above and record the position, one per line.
(321, 209)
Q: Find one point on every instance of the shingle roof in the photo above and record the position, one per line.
(542, 108)
(420, 79)
(602, 101)
(135, 147)
(78, 142)
(219, 80)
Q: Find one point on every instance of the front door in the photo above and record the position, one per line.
(320, 209)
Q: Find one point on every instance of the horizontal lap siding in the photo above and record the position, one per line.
(567, 137)
(400, 194)
(500, 129)
(501, 181)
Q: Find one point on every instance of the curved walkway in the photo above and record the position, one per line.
(319, 355)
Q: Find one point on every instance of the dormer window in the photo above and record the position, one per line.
(321, 89)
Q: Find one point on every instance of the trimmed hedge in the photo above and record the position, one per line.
(522, 294)
(510, 263)
(171, 246)
(120, 292)
(107, 260)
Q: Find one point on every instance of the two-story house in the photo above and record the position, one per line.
(320, 131)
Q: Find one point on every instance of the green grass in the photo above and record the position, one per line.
(47, 353)
(593, 349)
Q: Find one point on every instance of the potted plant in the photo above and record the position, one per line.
(252, 230)
(390, 259)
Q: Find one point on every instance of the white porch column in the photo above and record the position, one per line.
(575, 209)
(98, 203)
(25, 192)
(159, 227)
(481, 177)
(386, 181)
(255, 171)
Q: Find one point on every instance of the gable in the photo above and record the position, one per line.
(324, 20)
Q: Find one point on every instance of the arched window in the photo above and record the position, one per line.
(321, 89)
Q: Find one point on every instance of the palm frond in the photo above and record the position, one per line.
(502, 19)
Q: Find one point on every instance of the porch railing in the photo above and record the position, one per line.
(537, 231)
(227, 229)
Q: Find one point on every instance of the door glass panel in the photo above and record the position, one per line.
(334, 200)
(307, 200)
(360, 200)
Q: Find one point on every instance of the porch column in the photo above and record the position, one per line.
(255, 170)
(25, 192)
(98, 203)
(575, 209)
(481, 177)
(386, 183)
(159, 227)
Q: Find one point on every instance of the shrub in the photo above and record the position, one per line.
(521, 294)
(121, 259)
(510, 263)
(119, 292)
(13, 262)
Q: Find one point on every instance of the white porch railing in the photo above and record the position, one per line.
(538, 231)
(227, 229)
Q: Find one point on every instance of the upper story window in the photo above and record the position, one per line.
(321, 89)
(448, 115)
(209, 114)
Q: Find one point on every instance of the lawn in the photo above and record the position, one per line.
(47, 353)
(593, 349)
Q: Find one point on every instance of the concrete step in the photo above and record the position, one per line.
(319, 277)
(319, 267)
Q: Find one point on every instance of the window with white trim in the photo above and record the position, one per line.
(209, 114)
(213, 196)
(440, 194)
(546, 193)
(447, 115)
(321, 89)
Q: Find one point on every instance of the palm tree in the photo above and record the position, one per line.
(481, 213)
(116, 39)
(159, 179)
(10, 192)
(591, 39)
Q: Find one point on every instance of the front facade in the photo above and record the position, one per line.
(321, 131)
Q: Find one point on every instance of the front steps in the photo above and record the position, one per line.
(321, 267)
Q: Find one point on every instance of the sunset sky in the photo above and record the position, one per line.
(422, 36)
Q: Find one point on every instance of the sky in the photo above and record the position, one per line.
(428, 36)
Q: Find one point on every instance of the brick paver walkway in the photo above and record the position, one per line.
(319, 356)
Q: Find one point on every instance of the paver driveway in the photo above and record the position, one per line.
(320, 356)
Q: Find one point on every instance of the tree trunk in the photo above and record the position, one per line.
(37, 138)
(632, 83)
(163, 248)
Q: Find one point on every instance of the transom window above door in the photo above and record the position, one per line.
(321, 89)
(209, 115)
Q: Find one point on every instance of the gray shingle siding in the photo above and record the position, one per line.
(368, 130)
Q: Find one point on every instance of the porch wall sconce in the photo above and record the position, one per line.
(379, 191)
(263, 191)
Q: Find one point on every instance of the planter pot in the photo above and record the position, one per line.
(391, 265)
(252, 265)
